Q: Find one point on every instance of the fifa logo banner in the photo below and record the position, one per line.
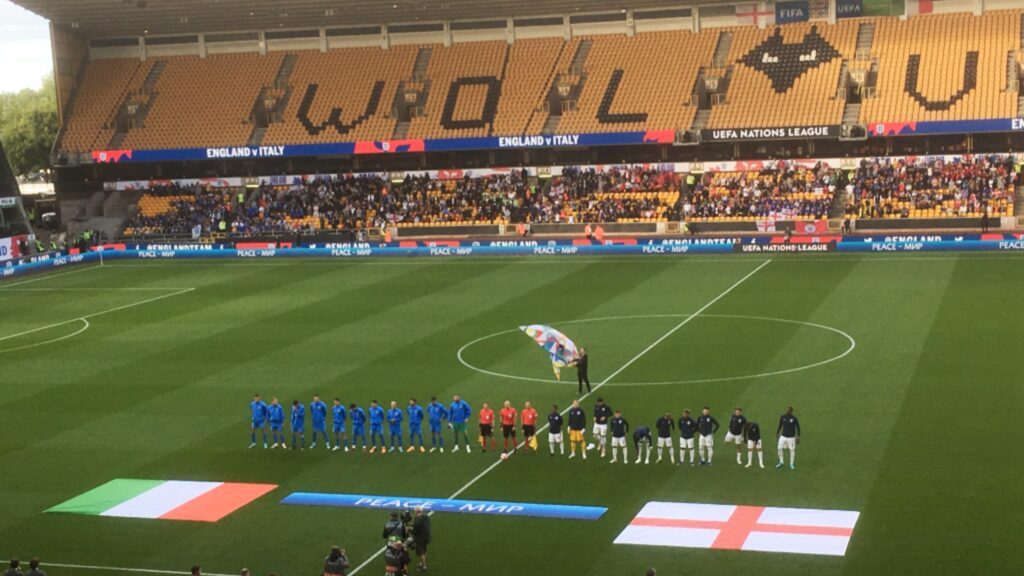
(786, 12)
(849, 8)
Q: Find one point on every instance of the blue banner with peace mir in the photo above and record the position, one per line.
(445, 505)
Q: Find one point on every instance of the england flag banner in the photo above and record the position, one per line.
(749, 528)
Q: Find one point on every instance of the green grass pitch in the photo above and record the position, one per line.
(918, 428)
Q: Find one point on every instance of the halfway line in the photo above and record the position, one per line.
(642, 353)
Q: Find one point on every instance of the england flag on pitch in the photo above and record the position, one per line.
(727, 527)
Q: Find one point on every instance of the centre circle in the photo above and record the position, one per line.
(850, 340)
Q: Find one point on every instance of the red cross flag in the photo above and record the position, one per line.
(727, 527)
(752, 14)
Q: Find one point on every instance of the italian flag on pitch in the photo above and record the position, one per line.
(164, 499)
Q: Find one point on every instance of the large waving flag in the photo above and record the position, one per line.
(559, 347)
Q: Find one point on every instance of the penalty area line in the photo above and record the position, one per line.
(597, 387)
(95, 314)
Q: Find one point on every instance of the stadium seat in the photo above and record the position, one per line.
(788, 75)
(927, 73)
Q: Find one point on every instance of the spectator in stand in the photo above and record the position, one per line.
(934, 187)
(360, 203)
(15, 569)
(196, 570)
(586, 195)
(781, 191)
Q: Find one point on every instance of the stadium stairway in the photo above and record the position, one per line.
(280, 92)
(105, 213)
(1018, 200)
(419, 85)
(576, 69)
(141, 101)
(865, 40)
(851, 112)
(838, 207)
(419, 68)
(700, 120)
(720, 69)
(722, 48)
(844, 79)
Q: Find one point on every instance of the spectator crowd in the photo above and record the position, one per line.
(932, 187)
(361, 202)
(784, 191)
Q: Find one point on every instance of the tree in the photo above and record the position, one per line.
(28, 126)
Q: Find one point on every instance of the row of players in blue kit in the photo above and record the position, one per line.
(457, 415)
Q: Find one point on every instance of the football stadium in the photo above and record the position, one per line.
(537, 287)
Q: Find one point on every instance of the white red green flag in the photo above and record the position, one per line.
(751, 528)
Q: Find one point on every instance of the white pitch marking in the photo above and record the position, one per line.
(95, 314)
(47, 277)
(840, 356)
(96, 289)
(831, 257)
(121, 569)
(45, 342)
(597, 387)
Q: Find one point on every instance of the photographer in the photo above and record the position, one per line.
(396, 560)
(394, 529)
(336, 562)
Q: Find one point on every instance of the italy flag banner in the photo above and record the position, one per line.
(164, 499)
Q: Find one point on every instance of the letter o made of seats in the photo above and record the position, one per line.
(490, 108)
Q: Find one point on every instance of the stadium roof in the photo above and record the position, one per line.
(117, 18)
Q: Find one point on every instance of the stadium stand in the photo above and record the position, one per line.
(361, 202)
(927, 73)
(173, 209)
(337, 80)
(204, 102)
(532, 65)
(933, 188)
(786, 76)
(784, 192)
(635, 84)
(105, 86)
(625, 195)
(883, 188)
(465, 86)
(789, 75)
(349, 203)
